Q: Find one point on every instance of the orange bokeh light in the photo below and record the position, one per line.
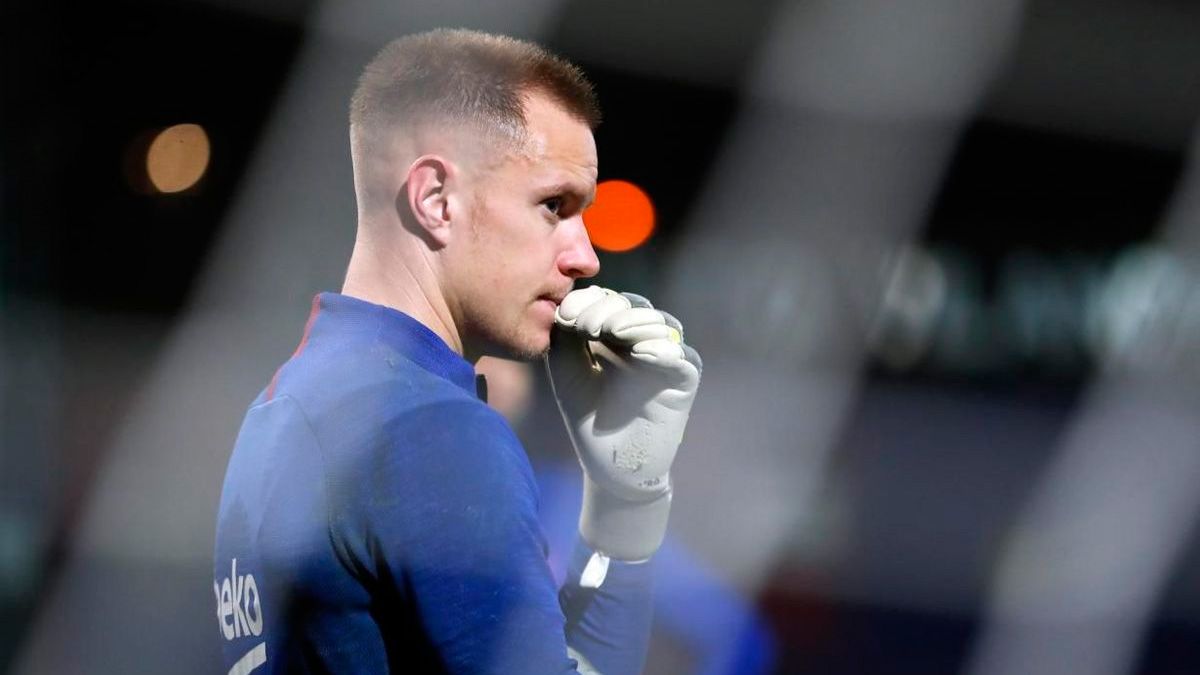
(177, 157)
(621, 218)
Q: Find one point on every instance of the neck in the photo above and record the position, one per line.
(395, 276)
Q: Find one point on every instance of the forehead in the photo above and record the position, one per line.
(558, 146)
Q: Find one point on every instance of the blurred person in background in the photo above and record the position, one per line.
(377, 515)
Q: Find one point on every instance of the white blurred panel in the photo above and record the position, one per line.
(1084, 568)
(852, 113)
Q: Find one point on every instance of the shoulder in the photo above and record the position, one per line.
(451, 480)
(422, 464)
(460, 422)
(359, 398)
(453, 456)
(457, 440)
(418, 437)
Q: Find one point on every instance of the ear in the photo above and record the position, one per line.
(427, 195)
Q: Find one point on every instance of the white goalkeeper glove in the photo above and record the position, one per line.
(624, 381)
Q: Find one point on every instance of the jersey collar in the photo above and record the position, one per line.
(401, 332)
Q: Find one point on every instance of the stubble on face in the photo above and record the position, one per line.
(513, 254)
(495, 315)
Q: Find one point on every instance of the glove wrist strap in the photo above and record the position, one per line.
(622, 529)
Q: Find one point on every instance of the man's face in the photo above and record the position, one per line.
(526, 242)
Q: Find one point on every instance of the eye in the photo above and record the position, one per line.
(553, 204)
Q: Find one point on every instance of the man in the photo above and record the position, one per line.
(376, 515)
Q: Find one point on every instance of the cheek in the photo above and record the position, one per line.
(510, 262)
(501, 290)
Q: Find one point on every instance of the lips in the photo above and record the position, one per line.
(551, 301)
(556, 298)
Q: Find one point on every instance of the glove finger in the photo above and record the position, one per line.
(636, 300)
(575, 302)
(634, 334)
(673, 322)
(693, 357)
(591, 320)
(634, 325)
(660, 351)
(672, 359)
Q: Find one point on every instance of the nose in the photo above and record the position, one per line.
(578, 259)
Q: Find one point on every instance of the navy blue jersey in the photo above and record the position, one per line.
(378, 517)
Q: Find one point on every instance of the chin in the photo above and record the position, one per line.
(530, 346)
(530, 351)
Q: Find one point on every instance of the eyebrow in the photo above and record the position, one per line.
(588, 196)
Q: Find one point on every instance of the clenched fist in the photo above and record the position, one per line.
(624, 381)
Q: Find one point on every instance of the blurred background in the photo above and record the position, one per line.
(942, 259)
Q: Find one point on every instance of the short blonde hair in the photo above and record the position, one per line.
(466, 77)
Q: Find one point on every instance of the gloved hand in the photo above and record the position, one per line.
(624, 381)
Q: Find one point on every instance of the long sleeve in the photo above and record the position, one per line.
(608, 627)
